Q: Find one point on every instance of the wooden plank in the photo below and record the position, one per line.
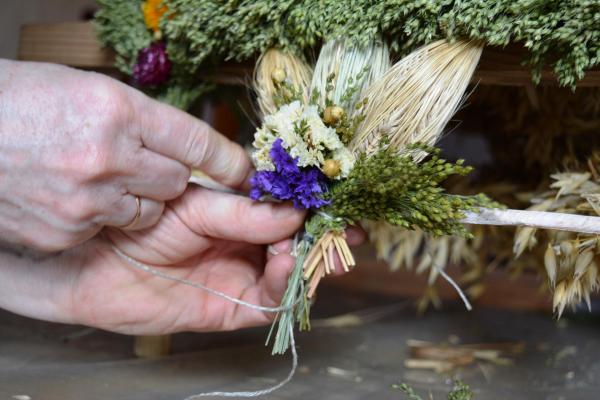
(152, 346)
(505, 67)
(69, 43)
(75, 44)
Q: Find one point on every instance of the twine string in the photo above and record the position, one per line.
(451, 281)
(153, 271)
(262, 392)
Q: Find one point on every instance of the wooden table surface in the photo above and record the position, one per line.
(58, 362)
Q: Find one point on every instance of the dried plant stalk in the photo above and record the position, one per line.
(297, 73)
(346, 63)
(416, 98)
(320, 260)
(535, 219)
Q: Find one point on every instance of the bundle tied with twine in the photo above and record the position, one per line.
(409, 102)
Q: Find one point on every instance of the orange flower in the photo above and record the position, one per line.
(153, 10)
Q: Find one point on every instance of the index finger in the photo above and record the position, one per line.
(191, 141)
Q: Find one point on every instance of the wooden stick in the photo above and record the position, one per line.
(152, 346)
(310, 269)
(312, 260)
(535, 219)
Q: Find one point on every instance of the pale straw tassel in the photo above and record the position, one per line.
(320, 260)
(416, 98)
(297, 73)
(345, 61)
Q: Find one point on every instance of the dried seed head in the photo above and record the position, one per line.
(559, 299)
(524, 238)
(583, 261)
(333, 114)
(332, 168)
(566, 248)
(550, 264)
(278, 75)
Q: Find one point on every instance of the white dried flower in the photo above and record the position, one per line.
(282, 122)
(346, 159)
(304, 136)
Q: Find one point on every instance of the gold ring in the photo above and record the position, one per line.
(138, 212)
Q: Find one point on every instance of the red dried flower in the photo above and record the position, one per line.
(153, 66)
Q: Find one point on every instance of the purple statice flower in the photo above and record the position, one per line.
(273, 183)
(153, 66)
(305, 186)
(284, 163)
(310, 188)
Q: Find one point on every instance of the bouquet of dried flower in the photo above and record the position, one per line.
(354, 143)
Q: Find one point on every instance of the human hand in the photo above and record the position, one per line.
(211, 238)
(76, 148)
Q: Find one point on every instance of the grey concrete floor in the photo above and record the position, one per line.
(58, 362)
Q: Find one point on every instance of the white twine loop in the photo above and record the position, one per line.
(146, 268)
(328, 217)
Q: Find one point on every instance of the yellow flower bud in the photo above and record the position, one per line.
(278, 75)
(333, 114)
(153, 11)
(331, 168)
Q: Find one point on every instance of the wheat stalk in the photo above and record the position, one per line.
(415, 99)
(345, 63)
(296, 72)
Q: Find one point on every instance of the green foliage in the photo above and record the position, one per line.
(120, 25)
(396, 188)
(408, 391)
(564, 34)
(460, 391)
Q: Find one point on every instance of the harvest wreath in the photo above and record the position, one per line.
(352, 139)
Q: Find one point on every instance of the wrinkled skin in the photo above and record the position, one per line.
(77, 147)
(74, 149)
(221, 246)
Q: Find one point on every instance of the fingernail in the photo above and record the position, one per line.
(284, 247)
(284, 211)
(272, 250)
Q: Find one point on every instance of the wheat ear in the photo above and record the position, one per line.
(294, 71)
